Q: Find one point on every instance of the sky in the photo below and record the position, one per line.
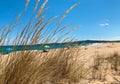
(98, 19)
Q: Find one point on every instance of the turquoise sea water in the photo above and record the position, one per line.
(13, 48)
(9, 49)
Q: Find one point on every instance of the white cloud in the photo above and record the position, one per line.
(104, 24)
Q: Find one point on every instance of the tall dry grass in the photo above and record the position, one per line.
(37, 29)
(30, 67)
(58, 66)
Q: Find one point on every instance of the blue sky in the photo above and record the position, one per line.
(98, 19)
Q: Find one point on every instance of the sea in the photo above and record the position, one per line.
(14, 48)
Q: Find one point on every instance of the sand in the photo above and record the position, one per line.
(104, 50)
(87, 55)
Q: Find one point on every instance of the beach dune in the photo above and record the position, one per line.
(78, 65)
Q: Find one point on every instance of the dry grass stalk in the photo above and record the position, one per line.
(54, 67)
(41, 9)
(26, 6)
(29, 67)
(67, 11)
(36, 5)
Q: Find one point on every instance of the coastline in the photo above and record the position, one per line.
(85, 55)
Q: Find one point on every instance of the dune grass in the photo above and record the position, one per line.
(58, 66)
(106, 65)
(42, 68)
(29, 67)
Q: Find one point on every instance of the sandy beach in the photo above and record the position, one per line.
(86, 57)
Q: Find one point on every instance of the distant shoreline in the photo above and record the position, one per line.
(39, 47)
